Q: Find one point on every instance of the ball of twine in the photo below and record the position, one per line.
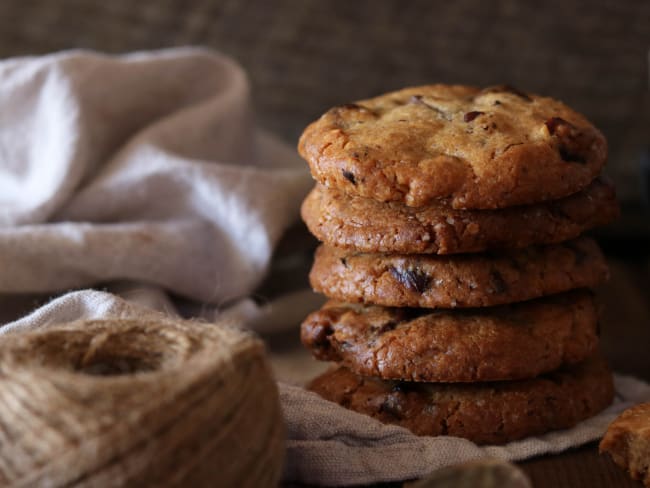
(138, 403)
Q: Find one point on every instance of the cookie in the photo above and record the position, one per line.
(461, 280)
(485, 344)
(369, 226)
(486, 149)
(485, 413)
(627, 441)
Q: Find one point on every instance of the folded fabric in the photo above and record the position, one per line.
(144, 167)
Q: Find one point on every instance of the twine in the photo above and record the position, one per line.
(138, 403)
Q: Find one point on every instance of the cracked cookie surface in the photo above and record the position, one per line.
(485, 149)
(462, 280)
(485, 344)
(366, 225)
(488, 413)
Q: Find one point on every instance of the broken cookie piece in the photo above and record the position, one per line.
(627, 441)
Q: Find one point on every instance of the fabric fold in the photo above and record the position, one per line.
(145, 167)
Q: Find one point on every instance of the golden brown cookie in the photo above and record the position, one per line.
(485, 413)
(461, 280)
(489, 148)
(365, 225)
(627, 441)
(484, 344)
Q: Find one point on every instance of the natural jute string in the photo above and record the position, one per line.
(138, 403)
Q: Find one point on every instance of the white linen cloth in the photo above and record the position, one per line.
(146, 168)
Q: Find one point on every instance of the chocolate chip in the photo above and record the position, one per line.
(349, 176)
(572, 141)
(507, 89)
(444, 426)
(320, 334)
(413, 279)
(469, 116)
(554, 123)
(498, 283)
(497, 102)
(344, 262)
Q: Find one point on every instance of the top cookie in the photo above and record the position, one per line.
(480, 149)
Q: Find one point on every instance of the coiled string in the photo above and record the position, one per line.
(138, 403)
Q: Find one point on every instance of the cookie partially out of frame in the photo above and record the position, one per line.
(485, 413)
(462, 280)
(489, 148)
(365, 225)
(627, 441)
(484, 344)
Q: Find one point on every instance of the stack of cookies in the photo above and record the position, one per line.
(451, 222)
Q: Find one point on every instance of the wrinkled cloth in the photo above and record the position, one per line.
(145, 173)
(144, 167)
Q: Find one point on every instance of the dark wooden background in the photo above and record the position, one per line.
(304, 56)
